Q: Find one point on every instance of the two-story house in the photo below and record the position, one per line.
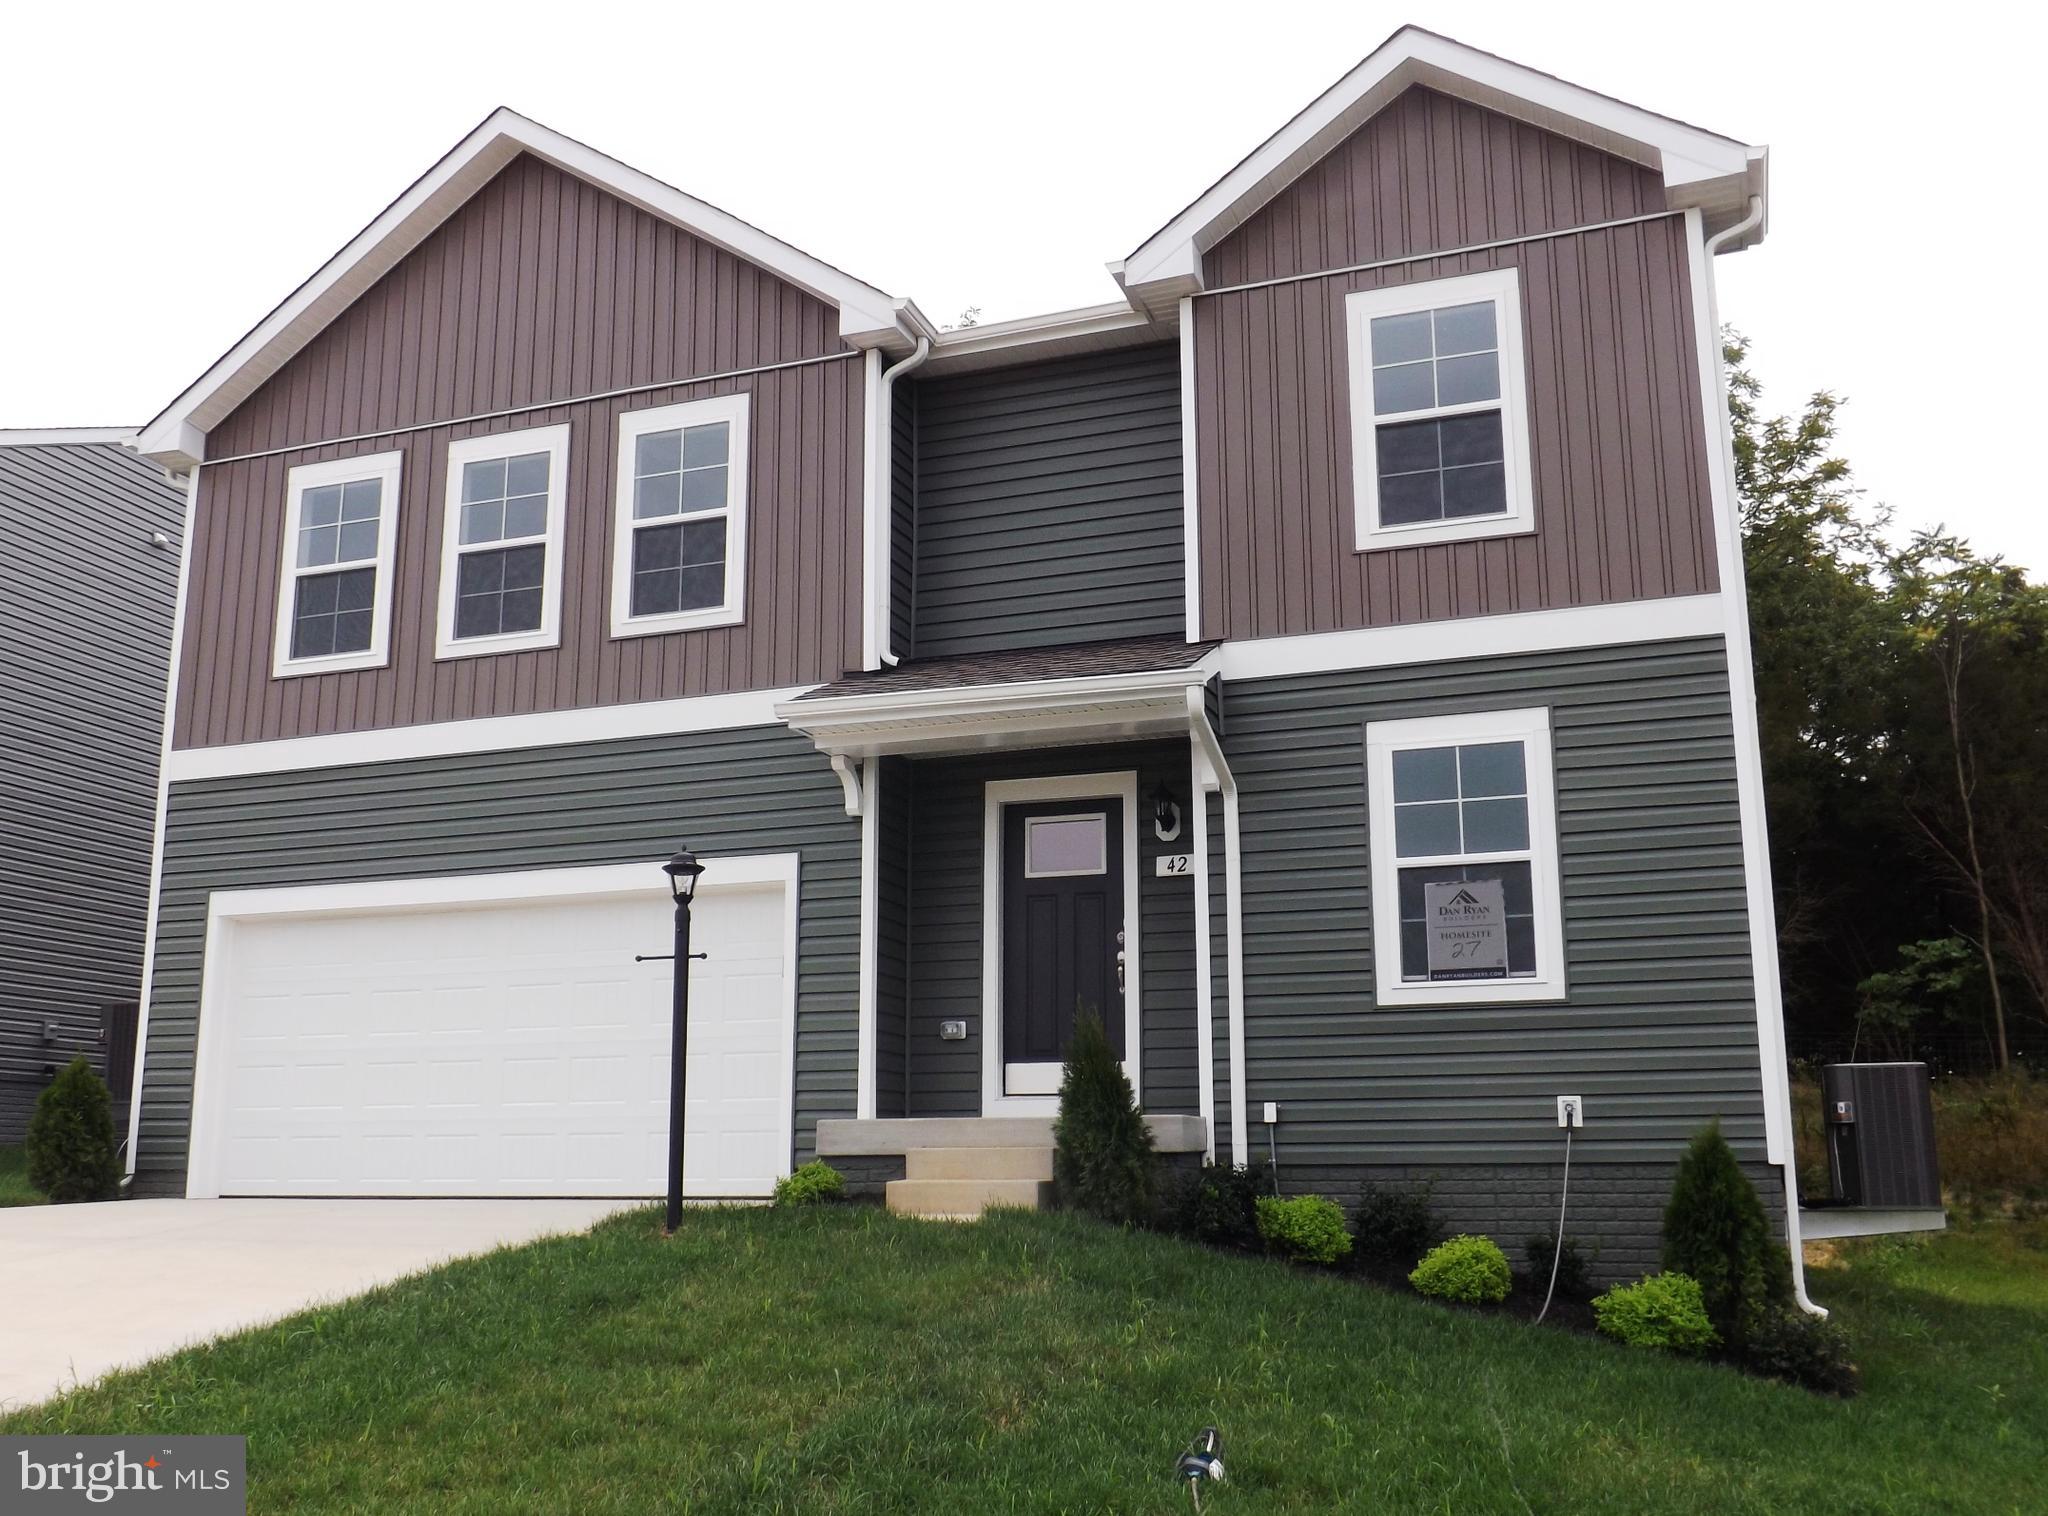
(1327, 663)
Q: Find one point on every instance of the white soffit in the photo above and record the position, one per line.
(1700, 168)
(177, 437)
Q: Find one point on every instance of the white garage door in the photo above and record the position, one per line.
(509, 1048)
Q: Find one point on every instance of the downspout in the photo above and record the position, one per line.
(1219, 778)
(1763, 927)
(885, 525)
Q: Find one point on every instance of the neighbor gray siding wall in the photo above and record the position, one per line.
(903, 520)
(1049, 503)
(1659, 1031)
(759, 790)
(946, 923)
(85, 633)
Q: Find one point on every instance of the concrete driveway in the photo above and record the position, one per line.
(90, 1288)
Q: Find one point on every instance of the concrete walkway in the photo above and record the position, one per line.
(88, 1288)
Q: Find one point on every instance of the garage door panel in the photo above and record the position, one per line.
(497, 1051)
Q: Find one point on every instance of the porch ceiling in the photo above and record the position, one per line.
(1101, 692)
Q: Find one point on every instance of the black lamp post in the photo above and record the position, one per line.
(683, 871)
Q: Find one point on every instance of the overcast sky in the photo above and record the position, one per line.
(173, 171)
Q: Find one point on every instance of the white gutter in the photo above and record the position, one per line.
(1749, 773)
(881, 515)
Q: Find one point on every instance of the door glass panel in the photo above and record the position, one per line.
(1055, 845)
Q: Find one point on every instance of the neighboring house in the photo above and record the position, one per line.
(88, 533)
(1185, 659)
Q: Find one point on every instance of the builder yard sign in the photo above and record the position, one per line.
(1466, 923)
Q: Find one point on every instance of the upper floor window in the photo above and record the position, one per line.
(1439, 426)
(334, 595)
(1463, 827)
(679, 549)
(501, 543)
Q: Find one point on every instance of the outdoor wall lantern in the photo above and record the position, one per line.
(683, 872)
(1165, 813)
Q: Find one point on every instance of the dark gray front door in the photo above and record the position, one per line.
(1063, 933)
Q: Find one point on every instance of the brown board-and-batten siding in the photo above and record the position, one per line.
(1618, 447)
(542, 289)
(748, 791)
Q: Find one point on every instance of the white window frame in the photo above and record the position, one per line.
(388, 470)
(1503, 288)
(554, 441)
(1531, 728)
(731, 409)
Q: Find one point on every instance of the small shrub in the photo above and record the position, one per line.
(1393, 1227)
(1715, 1232)
(1102, 1157)
(813, 1184)
(1305, 1228)
(1662, 1311)
(1802, 1350)
(1572, 1282)
(1472, 1270)
(1216, 1205)
(71, 1151)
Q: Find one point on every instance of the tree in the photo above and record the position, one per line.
(1103, 1155)
(71, 1151)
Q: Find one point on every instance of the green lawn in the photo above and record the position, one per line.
(14, 1185)
(843, 1360)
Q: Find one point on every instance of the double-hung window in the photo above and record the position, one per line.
(334, 595)
(1463, 824)
(501, 543)
(1439, 424)
(680, 520)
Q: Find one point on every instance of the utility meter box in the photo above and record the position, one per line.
(1880, 1129)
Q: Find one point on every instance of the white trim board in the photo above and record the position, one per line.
(1419, 642)
(867, 316)
(226, 908)
(163, 808)
(485, 734)
(1118, 785)
(67, 436)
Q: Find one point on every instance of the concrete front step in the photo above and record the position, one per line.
(840, 1136)
(1033, 1163)
(957, 1198)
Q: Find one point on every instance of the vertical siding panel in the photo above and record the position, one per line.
(540, 286)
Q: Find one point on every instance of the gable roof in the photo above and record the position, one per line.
(868, 317)
(1700, 168)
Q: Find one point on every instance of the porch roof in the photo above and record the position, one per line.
(1027, 697)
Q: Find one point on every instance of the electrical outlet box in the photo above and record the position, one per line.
(1272, 1113)
(952, 1031)
(1571, 1111)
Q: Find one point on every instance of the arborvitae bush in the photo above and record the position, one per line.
(1715, 1232)
(71, 1150)
(1102, 1157)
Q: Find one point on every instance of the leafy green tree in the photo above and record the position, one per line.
(1933, 979)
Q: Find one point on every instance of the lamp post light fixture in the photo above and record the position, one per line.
(683, 872)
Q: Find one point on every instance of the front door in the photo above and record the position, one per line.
(1063, 933)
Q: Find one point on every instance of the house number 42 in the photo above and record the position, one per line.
(1172, 865)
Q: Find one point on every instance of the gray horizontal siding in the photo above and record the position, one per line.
(85, 627)
(1659, 1029)
(892, 936)
(946, 922)
(760, 790)
(903, 520)
(1049, 504)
